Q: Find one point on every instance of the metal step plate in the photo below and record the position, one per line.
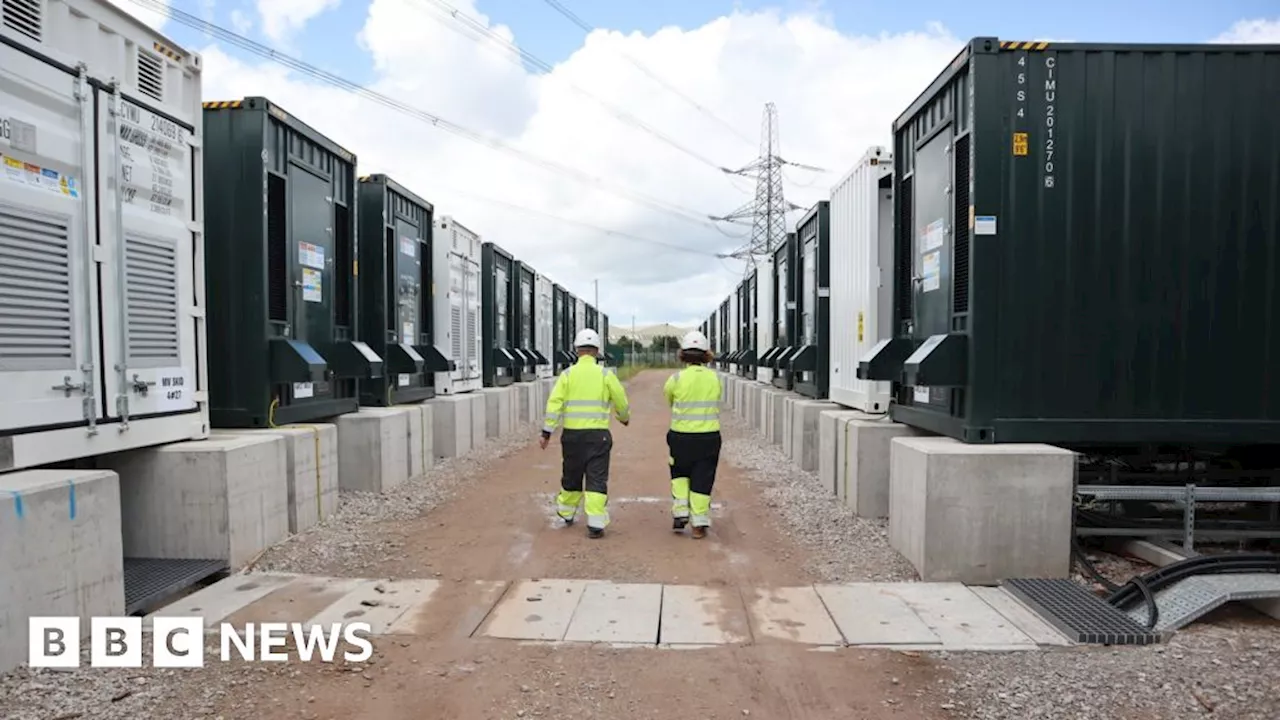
(1192, 598)
(1082, 616)
(147, 581)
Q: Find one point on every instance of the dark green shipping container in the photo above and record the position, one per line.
(280, 269)
(396, 292)
(1088, 247)
(496, 288)
(524, 301)
(810, 364)
(785, 342)
(561, 328)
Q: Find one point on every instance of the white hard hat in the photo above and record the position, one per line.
(587, 338)
(694, 340)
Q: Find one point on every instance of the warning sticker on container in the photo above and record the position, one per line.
(302, 391)
(409, 246)
(931, 271)
(933, 235)
(921, 394)
(1020, 144)
(404, 379)
(407, 333)
(312, 285)
(40, 177)
(172, 390)
(860, 327)
(311, 255)
(985, 225)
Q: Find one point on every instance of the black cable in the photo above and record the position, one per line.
(1153, 612)
(1090, 568)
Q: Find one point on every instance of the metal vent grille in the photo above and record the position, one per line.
(24, 16)
(906, 250)
(35, 290)
(151, 75)
(455, 327)
(960, 281)
(277, 251)
(151, 269)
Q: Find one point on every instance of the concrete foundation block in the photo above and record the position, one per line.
(980, 514)
(222, 498)
(863, 458)
(527, 401)
(373, 449)
(479, 418)
(788, 420)
(61, 551)
(311, 470)
(804, 431)
(498, 417)
(831, 424)
(420, 438)
(776, 412)
(450, 426)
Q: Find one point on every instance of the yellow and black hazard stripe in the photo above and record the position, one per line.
(222, 104)
(1021, 45)
(171, 54)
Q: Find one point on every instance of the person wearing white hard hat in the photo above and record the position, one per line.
(693, 442)
(584, 397)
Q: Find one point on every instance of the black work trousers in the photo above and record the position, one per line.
(585, 452)
(695, 456)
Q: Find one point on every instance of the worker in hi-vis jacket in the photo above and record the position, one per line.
(584, 396)
(694, 438)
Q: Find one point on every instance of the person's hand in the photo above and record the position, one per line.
(543, 440)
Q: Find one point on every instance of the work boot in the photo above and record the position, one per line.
(568, 522)
(595, 533)
(699, 532)
(679, 524)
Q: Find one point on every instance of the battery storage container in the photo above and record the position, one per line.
(604, 338)
(748, 314)
(396, 301)
(544, 326)
(764, 309)
(784, 314)
(562, 318)
(1088, 247)
(456, 253)
(523, 306)
(102, 296)
(501, 361)
(810, 363)
(861, 277)
(281, 269)
(724, 325)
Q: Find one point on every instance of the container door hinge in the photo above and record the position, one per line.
(195, 227)
(195, 141)
(201, 396)
(195, 312)
(99, 254)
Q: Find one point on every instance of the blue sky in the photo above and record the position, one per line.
(329, 39)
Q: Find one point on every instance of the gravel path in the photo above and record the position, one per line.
(841, 547)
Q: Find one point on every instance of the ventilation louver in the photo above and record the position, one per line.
(24, 16)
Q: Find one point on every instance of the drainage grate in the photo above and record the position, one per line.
(148, 581)
(1079, 614)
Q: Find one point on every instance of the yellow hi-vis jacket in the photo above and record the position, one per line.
(694, 397)
(583, 396)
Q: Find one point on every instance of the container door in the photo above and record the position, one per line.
(473, 338)
(148, 274)
(809, 287)
(408, 287)
(526, 312)
(931, 308)
(457, 315)
(48, 295)
(780, 303)
(932, 215)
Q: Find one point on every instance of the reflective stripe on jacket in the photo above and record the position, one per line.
(583, 397)
(694, 397)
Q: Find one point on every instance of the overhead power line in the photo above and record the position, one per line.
(544, 68)
(421, 115)
(588, 28)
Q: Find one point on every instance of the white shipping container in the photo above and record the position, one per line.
(765, 310)
(102, 334)
(732, 327)
(544, 336)
(580, 316)
(861, 263)
(456, 266)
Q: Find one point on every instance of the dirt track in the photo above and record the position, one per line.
(501, 527)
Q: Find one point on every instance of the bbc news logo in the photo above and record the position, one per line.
(179, 642)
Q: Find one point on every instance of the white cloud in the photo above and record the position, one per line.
(282, 18)
(1252, 32)
(150, 17)
(241, 22)
(836, 94)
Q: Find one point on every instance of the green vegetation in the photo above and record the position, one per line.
(626, 372)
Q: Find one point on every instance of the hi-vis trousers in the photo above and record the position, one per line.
(694, 457)
(585, 453)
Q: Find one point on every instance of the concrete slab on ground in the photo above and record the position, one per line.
(701, 616)
(795, 614)
(960, 618)
(379, 603)
(869, 614)
(221, 599)
(617, 613)
(535, 610)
